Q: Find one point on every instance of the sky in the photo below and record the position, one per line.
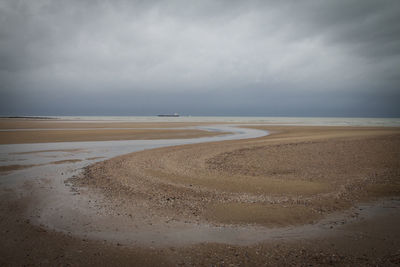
(226, 58)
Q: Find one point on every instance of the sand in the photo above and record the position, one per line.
(13, 123)
(21, 131)
(295, 176)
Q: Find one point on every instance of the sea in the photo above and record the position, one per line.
(295, 121)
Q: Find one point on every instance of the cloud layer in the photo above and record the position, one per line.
(311, 58)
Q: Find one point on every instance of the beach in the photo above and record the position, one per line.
(20, 131)
(301, 195)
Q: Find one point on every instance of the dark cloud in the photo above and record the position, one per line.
(370, 27)
(200, 57)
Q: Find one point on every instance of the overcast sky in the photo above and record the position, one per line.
(263, 58)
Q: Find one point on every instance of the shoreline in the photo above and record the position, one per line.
(163, 170)
(271, 121)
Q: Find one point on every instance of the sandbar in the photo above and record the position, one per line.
(22, 131)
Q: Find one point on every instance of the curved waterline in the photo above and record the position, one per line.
(62, 210)
(83, 215)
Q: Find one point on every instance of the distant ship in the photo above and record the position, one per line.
(168, 115)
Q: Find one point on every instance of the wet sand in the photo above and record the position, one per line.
(21, 131)
(296, 176)
(49, 136)
(6, 123)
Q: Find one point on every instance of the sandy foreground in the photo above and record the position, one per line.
(295, 178)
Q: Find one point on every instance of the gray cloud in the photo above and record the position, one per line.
(200, 57)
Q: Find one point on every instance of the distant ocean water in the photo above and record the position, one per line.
(301, 121)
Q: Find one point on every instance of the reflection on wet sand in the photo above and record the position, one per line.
(233, 194)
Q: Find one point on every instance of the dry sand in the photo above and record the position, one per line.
(294, 176)
(297, 175)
